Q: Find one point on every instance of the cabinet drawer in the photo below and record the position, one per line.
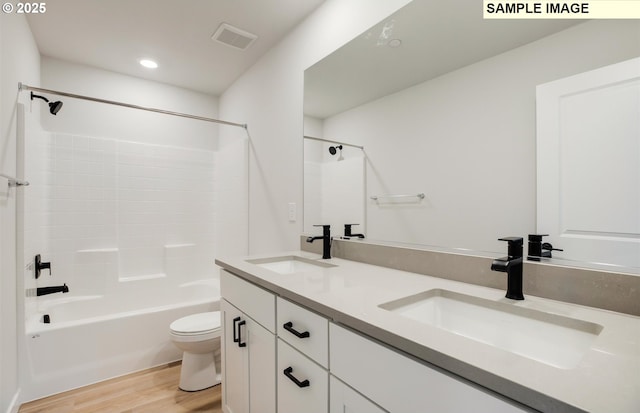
(252, 300)
(304, 330)
(306, 388)
(402, 385)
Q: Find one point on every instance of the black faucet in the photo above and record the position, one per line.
(512, 265)
(326, 240)
(348, 234)
(39, 266)
(538, 249)
(50, 290)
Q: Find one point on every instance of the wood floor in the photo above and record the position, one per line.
(149, 391)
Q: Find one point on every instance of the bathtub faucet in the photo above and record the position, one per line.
(50, 290)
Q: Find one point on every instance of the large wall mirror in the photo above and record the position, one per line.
(443, 104)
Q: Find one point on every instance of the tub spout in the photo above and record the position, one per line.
(50, 290)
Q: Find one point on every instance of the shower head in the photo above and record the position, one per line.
(54, 107)
(333, 149)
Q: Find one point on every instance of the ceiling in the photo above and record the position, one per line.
(437, 37)
(115, 34)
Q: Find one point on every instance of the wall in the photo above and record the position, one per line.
(80, 117)
(113, 211)
(467, 139)
(20, 62)
(269, 98)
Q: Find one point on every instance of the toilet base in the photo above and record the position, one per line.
(198, 372)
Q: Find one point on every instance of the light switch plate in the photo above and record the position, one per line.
(293, 212)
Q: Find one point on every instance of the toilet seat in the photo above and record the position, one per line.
(196, 324)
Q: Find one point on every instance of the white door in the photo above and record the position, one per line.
(588, 164)
(262, 367)
(235, 367)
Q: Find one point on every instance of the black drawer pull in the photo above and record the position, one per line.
(289, 327)
(235, 335)
(288, 372)
(240, 343)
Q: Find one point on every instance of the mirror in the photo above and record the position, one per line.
(444, 104)
(334, 186)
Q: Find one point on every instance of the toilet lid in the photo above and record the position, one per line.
(196, 323)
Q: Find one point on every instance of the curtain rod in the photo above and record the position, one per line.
(332, 141)
(22, 86)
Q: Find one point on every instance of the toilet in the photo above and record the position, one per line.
(198, 336)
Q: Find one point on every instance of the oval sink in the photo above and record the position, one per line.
(290, 264)
(552, 339)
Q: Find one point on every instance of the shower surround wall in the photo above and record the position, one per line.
(118, 211)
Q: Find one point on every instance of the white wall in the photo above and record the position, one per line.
(269, 97)
(20, 62)
(81, 117)
(467, 140)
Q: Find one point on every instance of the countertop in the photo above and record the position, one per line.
(606, 379)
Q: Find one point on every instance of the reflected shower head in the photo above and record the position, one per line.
(54, 107)
(333, 149)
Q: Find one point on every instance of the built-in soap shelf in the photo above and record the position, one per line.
(141, 277)
(174, 258)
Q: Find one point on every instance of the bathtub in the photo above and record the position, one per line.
(93, 338)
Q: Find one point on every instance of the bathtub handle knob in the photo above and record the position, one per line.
(39, 266)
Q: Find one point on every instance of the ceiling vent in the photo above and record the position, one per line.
(234, 37)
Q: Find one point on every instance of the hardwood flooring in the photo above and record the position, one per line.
(149, 391)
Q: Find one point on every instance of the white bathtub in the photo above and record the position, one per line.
(93, 338)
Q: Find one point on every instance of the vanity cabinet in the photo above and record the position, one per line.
(400, 384)
(278, 356)
(248, 347)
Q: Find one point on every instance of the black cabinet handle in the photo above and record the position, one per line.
(235, 335)
(240, 343)
(289, 327)
(289, 373)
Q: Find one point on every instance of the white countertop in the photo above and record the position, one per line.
(607, 378)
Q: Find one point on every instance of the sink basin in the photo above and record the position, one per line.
(290, 264)
(552, 339)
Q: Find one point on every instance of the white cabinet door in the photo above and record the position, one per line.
(248, 364)
(346, 400)
(235, 363)
(261, 346)
(303, 386)
(588, 164)
(402, 385)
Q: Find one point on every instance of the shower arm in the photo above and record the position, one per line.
(22, 86)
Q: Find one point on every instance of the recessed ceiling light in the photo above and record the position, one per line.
(149, 64)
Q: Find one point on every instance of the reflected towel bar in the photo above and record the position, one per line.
(14, 181)
(377, 197)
